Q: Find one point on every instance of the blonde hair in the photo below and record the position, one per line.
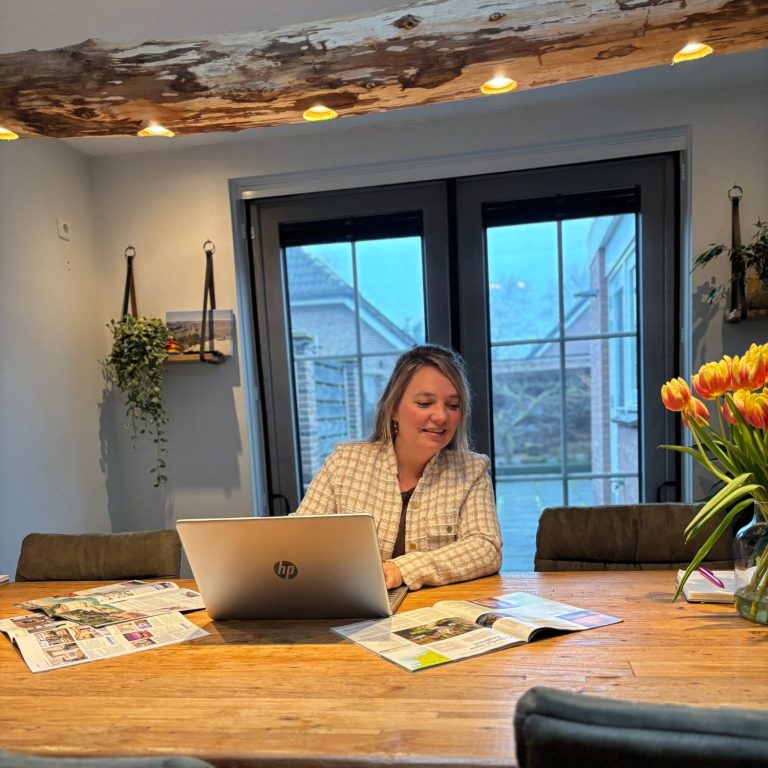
(445, 360)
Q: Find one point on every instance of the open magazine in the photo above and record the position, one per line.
(458, 629)
(102, 622)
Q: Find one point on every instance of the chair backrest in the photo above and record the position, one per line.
(99, 556)
(557, 728)
(17, 760)
(623, 537)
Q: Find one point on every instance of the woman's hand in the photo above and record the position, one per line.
(392, 576)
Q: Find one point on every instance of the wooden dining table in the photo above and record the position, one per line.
(293, 694)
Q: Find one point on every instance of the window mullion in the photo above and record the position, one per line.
(358, 335)
(561, 350)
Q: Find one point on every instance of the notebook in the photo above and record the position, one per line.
(305, 567)
(701, 589)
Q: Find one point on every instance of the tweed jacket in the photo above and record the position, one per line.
(452, 532)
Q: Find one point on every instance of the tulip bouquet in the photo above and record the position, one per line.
(731, 442)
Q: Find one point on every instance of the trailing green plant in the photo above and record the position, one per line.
(750, 256)
(135, 366)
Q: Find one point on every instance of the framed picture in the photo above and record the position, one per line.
(186, 326)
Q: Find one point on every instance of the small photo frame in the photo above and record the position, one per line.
(185, 327)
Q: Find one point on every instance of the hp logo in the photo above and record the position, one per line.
(285, 569)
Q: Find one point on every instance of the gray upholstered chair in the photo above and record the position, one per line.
(623, 537)
(17, 760)
(99, 556)
(556, 728)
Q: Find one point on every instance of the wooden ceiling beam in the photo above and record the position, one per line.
(424, 53)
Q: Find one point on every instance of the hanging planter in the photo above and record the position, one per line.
(135, 367)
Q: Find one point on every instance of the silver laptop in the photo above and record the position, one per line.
(306, 567)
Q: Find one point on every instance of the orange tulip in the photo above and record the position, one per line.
(740, 397)
(749, 371)
(756, 410)
(675, 394)
(695, 412)
(712, 380)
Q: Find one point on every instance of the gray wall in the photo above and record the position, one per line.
(167, 201)
(51, 336)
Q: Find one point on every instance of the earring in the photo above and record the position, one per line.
(395, 428)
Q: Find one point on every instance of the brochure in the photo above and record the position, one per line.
(101, 623)
(458, 629)
(705, 586)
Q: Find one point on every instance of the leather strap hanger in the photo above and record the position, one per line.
(737, 299)
(211, 355)
(130, 288)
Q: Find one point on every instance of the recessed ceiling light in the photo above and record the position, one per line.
(691, 52)
(319, 112)
(498, 85)
(6, 135)
(153, 129)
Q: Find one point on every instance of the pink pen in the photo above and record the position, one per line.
(709, 576)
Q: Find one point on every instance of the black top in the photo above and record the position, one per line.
(400, 540)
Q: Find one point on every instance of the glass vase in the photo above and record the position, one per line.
(751, 566)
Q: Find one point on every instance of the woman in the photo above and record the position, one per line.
(430, 496)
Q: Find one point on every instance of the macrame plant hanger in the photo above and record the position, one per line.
(211, 355)
(130, 288)
(737, 298)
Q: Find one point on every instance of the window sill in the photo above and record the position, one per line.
(624, 419)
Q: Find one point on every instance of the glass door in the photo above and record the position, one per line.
(345, 283)
(564, 342)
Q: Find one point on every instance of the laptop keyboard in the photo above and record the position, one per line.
(396, 596)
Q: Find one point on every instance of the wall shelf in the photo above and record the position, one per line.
(215, 358)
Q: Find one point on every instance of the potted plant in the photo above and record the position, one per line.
(749, 264)
(135, 366)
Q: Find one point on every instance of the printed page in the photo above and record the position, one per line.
(67, 644)
(91, 611)
(108, 592)
(165, 597)
(27, 625)
(520, 615)
(126, 600)
(424, 638)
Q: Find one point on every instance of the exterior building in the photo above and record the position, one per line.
(344, 350)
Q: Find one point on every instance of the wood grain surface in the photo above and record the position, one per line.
(425, 52)
(291, 694)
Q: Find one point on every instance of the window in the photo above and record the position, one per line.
(351, 314)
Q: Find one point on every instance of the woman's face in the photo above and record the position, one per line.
(428, 413)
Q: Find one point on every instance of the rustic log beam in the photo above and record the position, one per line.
(424, 53)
